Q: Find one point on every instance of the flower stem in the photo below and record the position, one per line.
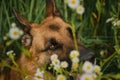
(73, 31)
(74, 37)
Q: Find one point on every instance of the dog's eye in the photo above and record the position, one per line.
(52, 44)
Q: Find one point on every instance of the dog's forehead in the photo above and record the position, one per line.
(54, 23)
(51, 25)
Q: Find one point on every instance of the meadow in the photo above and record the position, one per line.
(97, 26)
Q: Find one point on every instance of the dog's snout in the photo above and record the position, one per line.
(86, 54)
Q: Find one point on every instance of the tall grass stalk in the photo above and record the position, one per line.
(74, 31)
(31, 10)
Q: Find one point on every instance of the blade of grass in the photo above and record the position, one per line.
(31, 10)
(6, 12)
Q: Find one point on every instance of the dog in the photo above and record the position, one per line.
(52, 36)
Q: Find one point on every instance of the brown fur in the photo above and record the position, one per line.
(50, 37)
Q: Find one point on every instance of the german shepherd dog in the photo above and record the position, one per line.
(52, 36)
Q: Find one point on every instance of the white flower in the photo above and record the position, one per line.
(54, 57)
(97, 68)
(13, 24)
(116, 23)
(21, 32)
(56, 62)
(86, 77)
(102, 52)
(93, 76)
(75, 60)
(14, 33)
(9, 52)
(39, 75)
(80, 9)
(74, 54)
(64, 64)
(73, 3)
(87, 67)
(75, 66)
(56, 67)
(61, 77)
(109, 20)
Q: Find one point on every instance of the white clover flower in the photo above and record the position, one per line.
(54, 57)
(64, 64)
(88, 67)
(86, 77)
(73, 3)
(9, 52)
(39, 75)
(97, 68)
(80, 9)
(75, 60)
(61, 77)
(74, 53)
(14, 33)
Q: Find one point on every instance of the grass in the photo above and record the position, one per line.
(91, 27)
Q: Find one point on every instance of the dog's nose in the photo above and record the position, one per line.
(86, 54)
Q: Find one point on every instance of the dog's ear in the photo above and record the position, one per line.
(51, 9)
(26, 26)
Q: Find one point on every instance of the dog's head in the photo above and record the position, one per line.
(52, 36)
